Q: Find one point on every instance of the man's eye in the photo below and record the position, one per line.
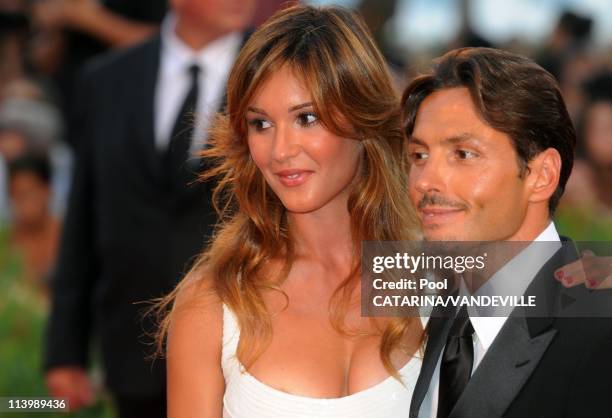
(259, 124)
(307, 119)
(465, 154)
(416, 156)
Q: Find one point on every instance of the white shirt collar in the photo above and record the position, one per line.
(514, 279)
(549, 234)
(173, 81)
(213, 59)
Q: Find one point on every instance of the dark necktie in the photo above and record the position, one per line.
(456, 364)
(177, 153)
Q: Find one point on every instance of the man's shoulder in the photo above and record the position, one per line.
(124, 63)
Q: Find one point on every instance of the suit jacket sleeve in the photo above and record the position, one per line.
(70, 322)
(591, 392)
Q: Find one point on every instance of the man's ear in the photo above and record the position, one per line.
(543, 175)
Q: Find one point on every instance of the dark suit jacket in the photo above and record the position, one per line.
(545, 366)
(128, 235)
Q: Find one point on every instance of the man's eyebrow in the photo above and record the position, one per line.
(455, 139)
(462, 137)
(414, 140)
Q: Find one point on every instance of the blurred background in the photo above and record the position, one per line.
(43, 43)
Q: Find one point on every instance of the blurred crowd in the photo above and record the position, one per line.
(583, 68)
(42, 46)
(585, 75)
(45, 43)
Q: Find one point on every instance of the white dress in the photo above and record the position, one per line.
(247, 397)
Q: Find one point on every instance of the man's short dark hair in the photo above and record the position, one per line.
(513, 94)
(34, 163)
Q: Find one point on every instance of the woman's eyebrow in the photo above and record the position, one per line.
(291, 109)
(256, 110)
(300, 106)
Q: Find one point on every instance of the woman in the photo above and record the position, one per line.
(586, 209)
(34, 231)
(310, 164)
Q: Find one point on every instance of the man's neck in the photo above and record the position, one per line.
(194, 36)
(33, 230)
(531, 228)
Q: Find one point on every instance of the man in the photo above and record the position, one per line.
(491, 145)
(135, 218)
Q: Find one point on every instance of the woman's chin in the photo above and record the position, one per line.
(301, 207)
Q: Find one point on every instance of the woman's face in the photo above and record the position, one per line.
(308, 167)
(598, 137)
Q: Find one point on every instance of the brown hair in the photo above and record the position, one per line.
(513, 94)
(332, 52)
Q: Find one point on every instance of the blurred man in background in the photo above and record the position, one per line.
(135, 219)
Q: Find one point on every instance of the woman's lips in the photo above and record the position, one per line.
(293, 178)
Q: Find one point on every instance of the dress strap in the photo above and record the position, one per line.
(231, 336)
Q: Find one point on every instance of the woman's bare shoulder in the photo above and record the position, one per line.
(197, 306)
(197, 291)
(195, 335)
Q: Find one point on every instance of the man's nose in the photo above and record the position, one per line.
(428, 176)
(286, 143)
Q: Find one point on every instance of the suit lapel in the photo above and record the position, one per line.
(437, 329)
(504, 370)
(517, 349)
(143, 110)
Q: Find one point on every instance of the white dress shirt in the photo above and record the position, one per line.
(512, 279)
(174, 80)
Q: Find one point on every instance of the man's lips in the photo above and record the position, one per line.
(431, 215)
(293, 177)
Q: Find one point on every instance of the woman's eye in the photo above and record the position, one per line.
(307, 119)
(259, 124)
(465, 154)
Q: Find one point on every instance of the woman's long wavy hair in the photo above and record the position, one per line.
(331, 51)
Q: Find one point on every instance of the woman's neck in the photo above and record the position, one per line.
(603, 179)
(323, 235)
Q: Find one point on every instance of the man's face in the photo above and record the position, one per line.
(464, 179)
(12, 144)
(29, 197)
(219, 16)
